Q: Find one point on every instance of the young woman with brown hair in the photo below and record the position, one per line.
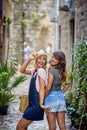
(54, 93)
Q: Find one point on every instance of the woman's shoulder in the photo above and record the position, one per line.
(41, 71)
(53, 69)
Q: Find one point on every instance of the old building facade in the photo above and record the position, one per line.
(66, 30)
(36, 22)
(71, 26)
(5, 28)
(1, 30)
(81, 19)
(32, 23)
(29, 21)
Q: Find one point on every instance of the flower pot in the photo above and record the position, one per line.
(83, 126)
(3, 110)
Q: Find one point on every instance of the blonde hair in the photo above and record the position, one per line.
(37, 57)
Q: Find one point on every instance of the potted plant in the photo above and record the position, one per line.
(7, 72)
(79, 99)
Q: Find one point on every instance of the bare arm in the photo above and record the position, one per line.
(67, 85)
(42, 94)
(23, 68)
(41, 91)
(49, 83)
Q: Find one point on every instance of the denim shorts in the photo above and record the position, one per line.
(56, 101)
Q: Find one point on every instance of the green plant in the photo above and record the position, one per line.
(79, 99)
(8, 81)
(34, 20)
(8, 21)
(23, 23)
(36, 17)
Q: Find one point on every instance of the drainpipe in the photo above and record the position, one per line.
(56, 26)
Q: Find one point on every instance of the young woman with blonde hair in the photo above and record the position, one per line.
(36, 90)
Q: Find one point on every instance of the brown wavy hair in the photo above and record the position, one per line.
(61, 66)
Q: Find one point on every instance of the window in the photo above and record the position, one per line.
(67, 5)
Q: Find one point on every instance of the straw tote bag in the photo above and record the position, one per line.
(23, 103)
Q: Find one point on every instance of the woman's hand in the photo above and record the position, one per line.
(46, 108)
(32, 57)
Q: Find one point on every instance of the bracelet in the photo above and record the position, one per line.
(67, 83)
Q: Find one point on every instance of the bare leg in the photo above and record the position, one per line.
(23, 124)
(61, 120)
(51, 118)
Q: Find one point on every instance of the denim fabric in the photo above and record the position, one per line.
(56, 101)
(33, 111)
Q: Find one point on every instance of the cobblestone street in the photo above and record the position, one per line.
(9, 121)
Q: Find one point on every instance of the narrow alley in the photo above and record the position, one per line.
(9, 122)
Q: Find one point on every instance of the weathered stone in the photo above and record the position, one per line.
(33, 30)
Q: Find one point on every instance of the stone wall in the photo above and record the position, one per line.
(72, 27)
(31, 23)
(6, 29)
(81, 20)
(65, 35)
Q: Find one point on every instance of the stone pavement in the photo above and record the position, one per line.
(9, 121)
